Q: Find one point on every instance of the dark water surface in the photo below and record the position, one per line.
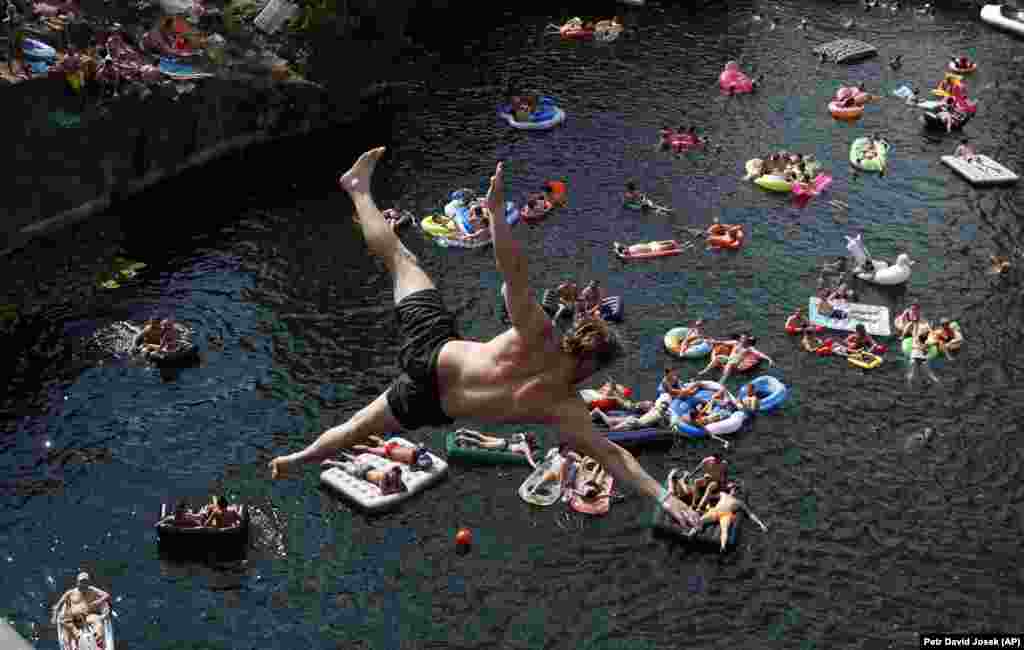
(869, 541)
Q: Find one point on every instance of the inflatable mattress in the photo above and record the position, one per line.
(368, 496)
(980, 170)
(875, 318)
(482, 456)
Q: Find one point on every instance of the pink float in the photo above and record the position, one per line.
(733, 81)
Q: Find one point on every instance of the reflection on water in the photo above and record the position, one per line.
(873, 533)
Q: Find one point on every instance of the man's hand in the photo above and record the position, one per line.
(683, 514)
(278, 467)
(496, 193)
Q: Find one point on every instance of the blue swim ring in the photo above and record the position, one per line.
(769, 390)
(681, 407)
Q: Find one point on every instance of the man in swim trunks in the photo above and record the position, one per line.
(388, 480)
(525, 375)
(860, 340)
(919, 357)
(84, 604)
(522, 443)
(724, 513)
(911, 318)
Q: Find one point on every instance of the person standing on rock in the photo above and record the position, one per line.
(524, 375)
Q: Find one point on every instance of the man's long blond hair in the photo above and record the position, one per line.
(592, 338)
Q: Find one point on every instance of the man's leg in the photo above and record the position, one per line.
(912, 371)
(374, 419)
(380, 236)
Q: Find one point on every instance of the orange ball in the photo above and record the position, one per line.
(464, 537)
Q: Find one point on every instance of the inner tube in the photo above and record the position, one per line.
(680, 407)
(38, 50)
(726, 241)
(774, 183)
(875, 164)
(771, 393)
(864, 359)
(674, 339)
(546, 116)
(841, 112)
(731, 80)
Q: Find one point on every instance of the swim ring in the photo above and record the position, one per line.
(39, 50)
(674, 338)
(774, 183)
(546, 116)
(726, 241)
(875, 164)
(771, 393)
(680, 407)
(841, 112)
(731, 80)
(864, 359)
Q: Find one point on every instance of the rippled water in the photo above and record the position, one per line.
(873, 537)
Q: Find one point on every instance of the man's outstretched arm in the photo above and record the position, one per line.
(578, 432)
(524, 312)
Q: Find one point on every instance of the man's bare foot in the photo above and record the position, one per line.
(357, 179)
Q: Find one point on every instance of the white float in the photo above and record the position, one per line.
(1005, 17)
(367, 495)
(980, 170)
(884, 273)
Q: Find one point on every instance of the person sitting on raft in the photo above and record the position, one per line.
(148, 340)
(724, 513)
(415, 456)
(827, 309)
(588, 305)
(712, 473)
(184, 517)
(741, 347)
(218, 515)
(694, 336)
(809, 342)
(948, 114)
(860, 340)
(947, 338)
(657, 416)
(523, 442)
(388, 480)
(797, 321)
(965, 150)
(642, 249)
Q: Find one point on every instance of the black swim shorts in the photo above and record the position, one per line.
(424, 326)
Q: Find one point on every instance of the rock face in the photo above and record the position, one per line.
(73, 155)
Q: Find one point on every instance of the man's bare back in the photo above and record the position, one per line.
(509, 378)
(526, 374)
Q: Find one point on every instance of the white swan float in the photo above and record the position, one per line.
(883, 273)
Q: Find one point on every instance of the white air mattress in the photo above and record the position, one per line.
(367, 495)
(875, 318)
(980, 170)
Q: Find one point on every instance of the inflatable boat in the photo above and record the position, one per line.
(709, 536)
(87, 641)
(200, 539)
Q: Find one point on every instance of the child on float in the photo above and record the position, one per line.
(694, 336)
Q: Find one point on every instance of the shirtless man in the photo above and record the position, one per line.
(947, 338)
(725, 512)
(643, 249)
(525, 375)
(86, 601)
(740, 349)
